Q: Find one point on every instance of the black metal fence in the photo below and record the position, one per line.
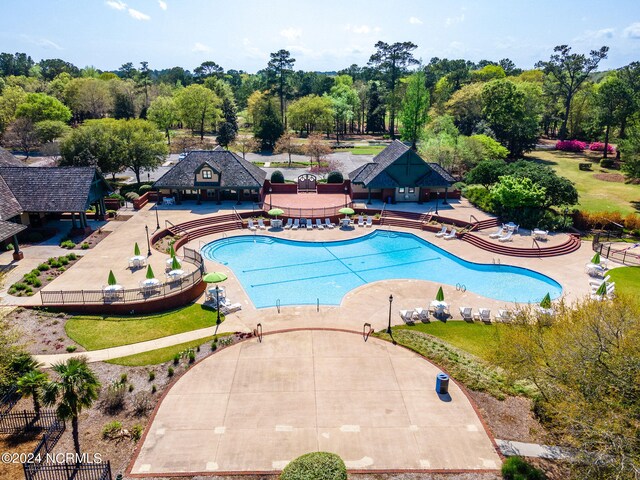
(27, 421)
(621, 252)
(311, 213)
(49, 441)
(68, 471)
(8, 400)
(133, 295)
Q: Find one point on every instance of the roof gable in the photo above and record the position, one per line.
(9, 205)
(8, 160)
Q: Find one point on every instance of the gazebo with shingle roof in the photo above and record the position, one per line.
(399, 174)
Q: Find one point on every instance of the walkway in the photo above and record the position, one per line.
(254, 407)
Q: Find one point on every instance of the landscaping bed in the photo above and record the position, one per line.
(84, 242)
(43, 332)
(43, 274)
(16, 444)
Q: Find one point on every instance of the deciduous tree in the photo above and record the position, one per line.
(40, 106)
(316, 148)
(415, 106)
(287, 144)
(198, 107)
(164, 113)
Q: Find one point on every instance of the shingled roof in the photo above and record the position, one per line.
(8, 160)
(51, 189)
(9, 205)
(234, 171)
(375, 175)
(9, 229)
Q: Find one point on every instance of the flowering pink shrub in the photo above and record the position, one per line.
(571, 145)
(599, 147)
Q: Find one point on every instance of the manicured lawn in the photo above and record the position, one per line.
(363, 150)
(475, 338)
(595, 195)
(627, 280)
(96, 332)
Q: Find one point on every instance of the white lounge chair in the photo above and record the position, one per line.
(421, 314)
(594, 270)
(442, 232)
(596, 282)
(466, 313)
(507, 237)
(250, 225)
(407, 316)
(369, 221)
(484, 315)
(261, 224)
(296, 224)
(289, 224)
(328, 224)
(504, 316)
(498, 233)
(610, 286)
(361, 221)
(308, 224)
(451, 235)
(319, 224)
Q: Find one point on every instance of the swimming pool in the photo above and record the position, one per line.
(302, 273)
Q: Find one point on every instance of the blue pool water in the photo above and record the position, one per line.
(301, 273)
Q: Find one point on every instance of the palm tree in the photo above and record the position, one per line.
(32, 384)
(76, 389)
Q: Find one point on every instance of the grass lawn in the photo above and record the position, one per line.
(627, 280)
(96, 332)
(595, 195)
(476, 338)
(363, 150)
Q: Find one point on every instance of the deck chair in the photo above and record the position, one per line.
(319, 224)
(407, 316)
(442, 232)
(308, 224)
(507, 237)
(250, 225)
(261, 224)
(361, 221)
(422, 314)
(296, 224)
(484, 315)
(289, 224)
(466, 313)
(504, 316)
(328, 224)
(451, 235)
(596, 282)
(369, 221)
(498, 233)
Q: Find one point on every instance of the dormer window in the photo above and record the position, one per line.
(207, 174)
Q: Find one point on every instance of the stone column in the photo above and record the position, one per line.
(444, 202)
(73, 221)
(17, 254)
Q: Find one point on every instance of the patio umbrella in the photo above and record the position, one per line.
(347, 211)
(112, 278)
(175, 263)
(546, 301)
(440, 295)
(596, 259)
(172, 252)
(602, 289)
(214, 277)
(150, 274)
(274, 212)
(136, 250)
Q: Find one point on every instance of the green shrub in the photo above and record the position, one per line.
(111, 429)
(277, 177)
(33, 281)
(68, 244)
(62, 269)
(607, 162)
(136, 432)
(170, 372)
(176, 359)
(131, 196)
(20, 286)
(72, 256)
(152, 376)
(71, 348)
(123, 378)
(55, 264)
(113, 397)
(154, 389)
(63, 261)
(315, 466)
(192, 356)
(335, 177)
(35, 237)
(111, 213)
(480, 197)
(35, 272)
(144, 189)
(131, 387)
(84, 246)
(515, 468)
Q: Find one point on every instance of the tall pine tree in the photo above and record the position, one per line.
(375, 110)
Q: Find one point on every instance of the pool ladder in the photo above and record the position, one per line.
(496, 261)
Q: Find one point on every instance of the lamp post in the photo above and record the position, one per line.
(157, 217)
(437, 198)
(389, 326)
(346, 191)
(146, 228)
(218, 305)
(270, 193)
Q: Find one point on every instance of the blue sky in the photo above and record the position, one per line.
(321, 35)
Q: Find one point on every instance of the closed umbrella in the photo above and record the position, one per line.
(596, 259)
(150, 274)
(172, 252)
(136, 250)
(175, 263)
(112, 278)
(546, 301)
(602, 289)
(440, 295)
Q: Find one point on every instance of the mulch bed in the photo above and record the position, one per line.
(46, 277)
(42, 332)
(92, 239)
(610, 177)
(16, 444)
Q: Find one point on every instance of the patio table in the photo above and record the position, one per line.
(439, 307)
(150, 283)
(138, 260)
(175, 274)
(539, 234)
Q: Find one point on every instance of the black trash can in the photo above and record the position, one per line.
(442, 383)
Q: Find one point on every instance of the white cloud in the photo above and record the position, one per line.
(292, 34)
(138, 15)
(632, 31)
(200, 47)
(253, 51)
(42, 42)
(595, 35)
(117, 4)
(362, 29)
(453, 20)
(605, 33)
(163, 5)
(415, 21)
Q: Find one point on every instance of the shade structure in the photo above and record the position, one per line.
(150, 273)
(274, 212)
(596, 259)
(136, 250)
(175, 263)
(112, 278)
(602, 289)
(214, 277)
(440, 295)
(347, 211)
(546, 301)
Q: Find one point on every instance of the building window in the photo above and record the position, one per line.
(401, 190)
(412, 190)
(207, 174)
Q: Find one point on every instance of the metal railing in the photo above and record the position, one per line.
(132, 295)
(8, 400)
(619, 252)
(68, 471)
(322, 212)
(27, 421)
